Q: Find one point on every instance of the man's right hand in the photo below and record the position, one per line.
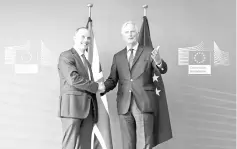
(101, 87)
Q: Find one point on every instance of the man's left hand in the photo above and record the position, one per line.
(155, 55)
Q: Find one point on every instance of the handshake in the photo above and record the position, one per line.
(101, 87)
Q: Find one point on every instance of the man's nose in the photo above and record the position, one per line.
(86, 39)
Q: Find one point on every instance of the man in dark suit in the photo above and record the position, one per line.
(132, 69)
(78, 105)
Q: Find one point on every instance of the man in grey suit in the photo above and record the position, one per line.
(132, 69)
(78, 105)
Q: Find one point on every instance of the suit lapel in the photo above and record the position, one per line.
(138, 53)
(124, 60)
(78, 58)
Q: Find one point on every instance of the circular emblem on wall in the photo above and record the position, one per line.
(26, 57)
(199, 57)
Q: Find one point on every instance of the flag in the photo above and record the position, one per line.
(162, 127)
(23, 58)
(199, 57)
(10, 52)
(46, 57)
(101, 134)
(220, 57)
(183, 53)
(144, 36)
(199, 62)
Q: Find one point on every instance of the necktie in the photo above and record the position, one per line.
(130, 60)
(85, 64)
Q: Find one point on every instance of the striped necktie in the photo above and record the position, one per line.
(131, 57)
(86, 64)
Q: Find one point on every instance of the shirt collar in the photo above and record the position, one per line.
(79, 52)
(134, 47)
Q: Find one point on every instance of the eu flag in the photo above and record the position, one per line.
(162, 128)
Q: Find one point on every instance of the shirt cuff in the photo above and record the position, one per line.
(159, 65)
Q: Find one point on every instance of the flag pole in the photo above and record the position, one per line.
(90, 6)
(89, 20)
(93, 130)
(145, 9)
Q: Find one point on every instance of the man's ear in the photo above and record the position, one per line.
(137, 35)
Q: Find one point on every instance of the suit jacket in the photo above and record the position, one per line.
(77, 92)
(138, 80)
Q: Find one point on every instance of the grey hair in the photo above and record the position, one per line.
(129, 22)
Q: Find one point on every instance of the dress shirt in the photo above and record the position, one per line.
(134, 50)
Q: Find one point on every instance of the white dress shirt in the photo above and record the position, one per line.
(134, 51)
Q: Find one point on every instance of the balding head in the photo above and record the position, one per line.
(82, 39)
(129, 32)
(129, 23)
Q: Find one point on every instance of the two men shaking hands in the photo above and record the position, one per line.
(132, 69)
